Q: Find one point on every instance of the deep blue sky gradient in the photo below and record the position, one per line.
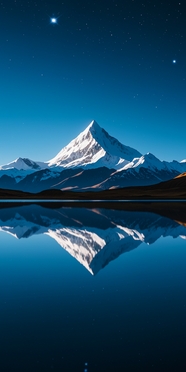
(111, 61)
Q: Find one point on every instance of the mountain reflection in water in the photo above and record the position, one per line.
(93, 236)
(55, 316)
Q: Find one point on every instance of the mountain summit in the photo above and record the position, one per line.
(23, 164)
(93, 148)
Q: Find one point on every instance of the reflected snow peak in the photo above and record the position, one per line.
(94, 237)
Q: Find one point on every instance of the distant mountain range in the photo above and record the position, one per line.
(97, 237)
(92, 161)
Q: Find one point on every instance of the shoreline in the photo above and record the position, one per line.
(173, 209)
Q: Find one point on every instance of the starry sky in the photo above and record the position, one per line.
(122, 63)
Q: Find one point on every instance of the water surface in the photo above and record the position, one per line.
(98, 286)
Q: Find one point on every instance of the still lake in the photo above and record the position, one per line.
(91, 289)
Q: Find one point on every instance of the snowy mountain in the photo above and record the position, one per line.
(96, 236)
(94, 148)
(149, 161)
(23, 164)
(92, 161)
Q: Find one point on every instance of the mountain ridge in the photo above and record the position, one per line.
(94, 160)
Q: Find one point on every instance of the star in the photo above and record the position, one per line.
(53, 20)
(174, 61)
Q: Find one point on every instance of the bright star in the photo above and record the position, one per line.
(174, 61)
(53, 20)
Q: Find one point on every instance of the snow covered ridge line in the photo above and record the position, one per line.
(95, 155)
(24, 164)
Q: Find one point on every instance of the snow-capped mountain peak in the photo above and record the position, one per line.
(94, 147)
(23, 164)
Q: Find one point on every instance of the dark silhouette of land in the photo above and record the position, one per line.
(173, 189)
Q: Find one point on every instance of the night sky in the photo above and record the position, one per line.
(122, 63)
